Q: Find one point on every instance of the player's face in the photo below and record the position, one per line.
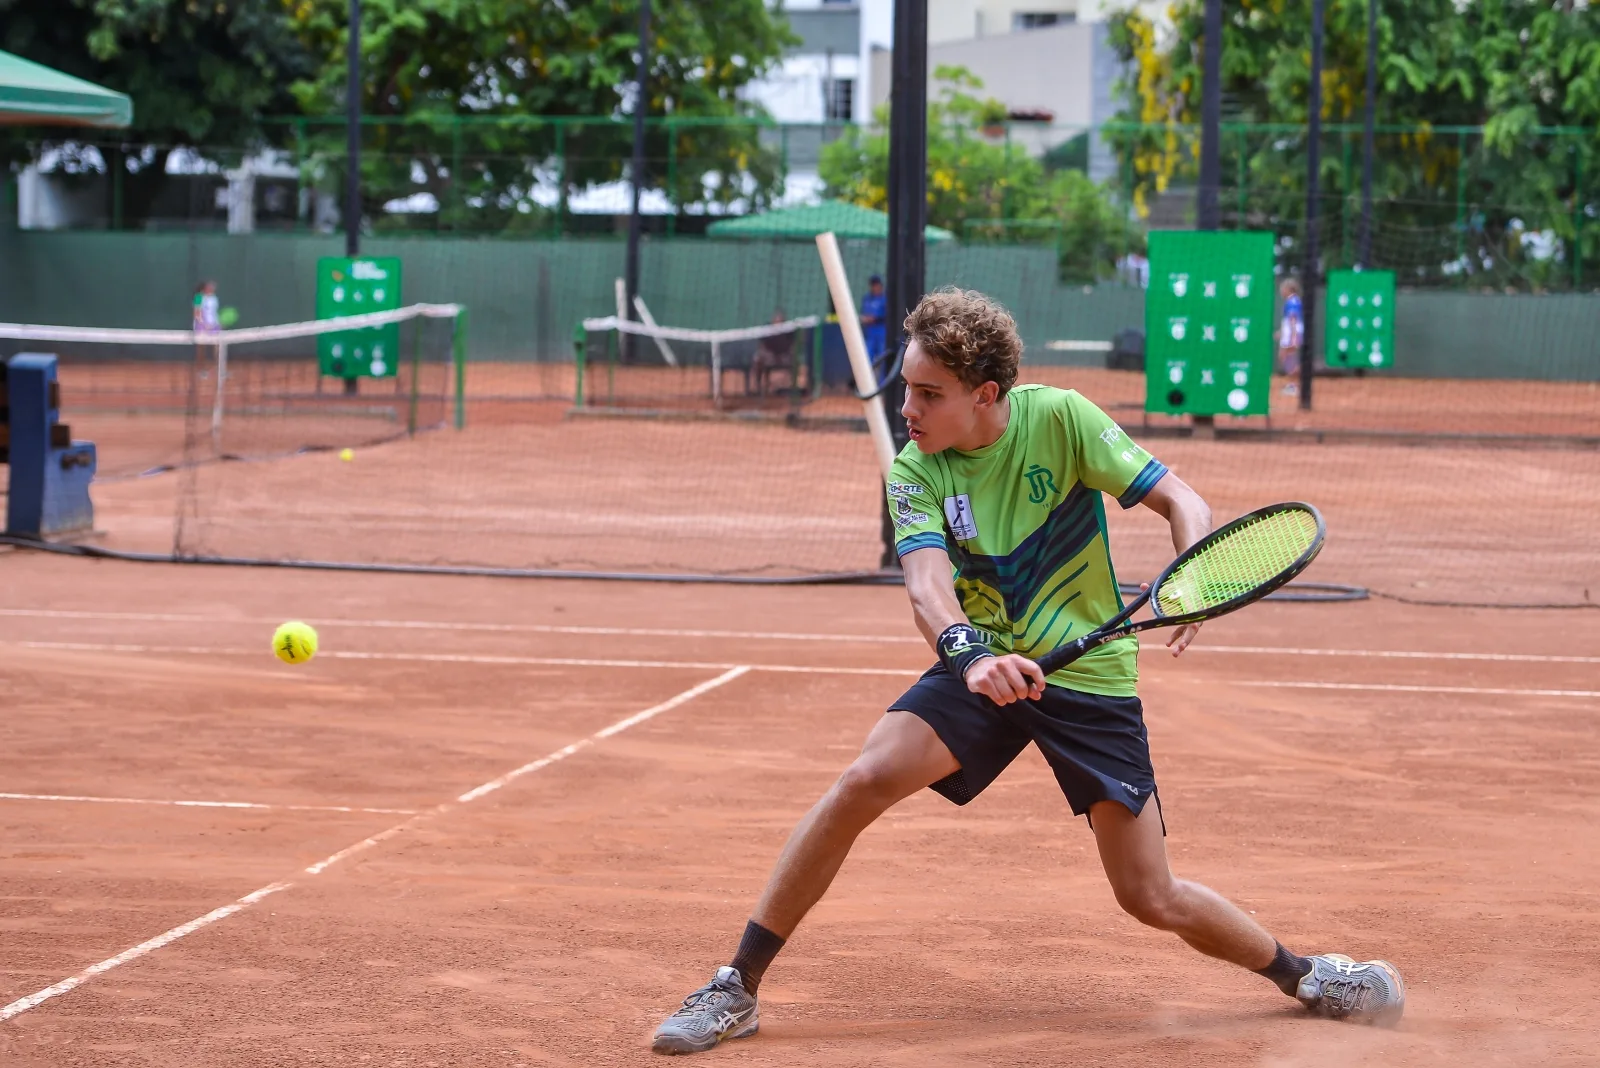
(940, 410)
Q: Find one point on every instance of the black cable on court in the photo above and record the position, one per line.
(1304, 592)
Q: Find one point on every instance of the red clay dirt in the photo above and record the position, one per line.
(526, 486)
(1447, 822)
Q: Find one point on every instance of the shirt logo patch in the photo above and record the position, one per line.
(1041, 484)
(1111, 434)
(958, 513)
(905, 516)
(908, 489)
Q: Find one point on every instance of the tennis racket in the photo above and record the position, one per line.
(1234, 565)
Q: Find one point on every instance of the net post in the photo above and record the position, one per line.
(416, 379)
(816, 356)
(580, 346)
(612, 343)
(459, 355)
(716, 375)
(216, 404)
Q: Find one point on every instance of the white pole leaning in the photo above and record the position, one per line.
(216, 405)
(855, 344)
(650, 320)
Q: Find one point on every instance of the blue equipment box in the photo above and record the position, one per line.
(50, 473)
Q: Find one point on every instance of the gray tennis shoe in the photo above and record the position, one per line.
(720, 1009)
(1344, 989)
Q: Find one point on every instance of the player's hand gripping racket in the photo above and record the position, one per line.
(1234, 565)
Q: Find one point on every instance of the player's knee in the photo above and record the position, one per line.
(1155, 904)
(868, 786)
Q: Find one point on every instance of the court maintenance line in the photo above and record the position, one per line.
(206, 804)
(22, 1005)
(705, 665)
(1392, 687)
(750, 635)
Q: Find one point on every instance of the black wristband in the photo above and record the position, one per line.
(961, 646)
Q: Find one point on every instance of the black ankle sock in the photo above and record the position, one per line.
(756, 950)
(1286, 970)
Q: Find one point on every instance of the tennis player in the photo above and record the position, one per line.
(1003, 486)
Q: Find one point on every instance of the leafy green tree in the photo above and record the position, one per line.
(981, 186)
(505, 64)
(199, 74)
(1448, 205)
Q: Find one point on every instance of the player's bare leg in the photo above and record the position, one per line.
(1134, 854)
(901, 756)
(1133, 851)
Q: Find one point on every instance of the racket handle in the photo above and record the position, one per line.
(1062, 655)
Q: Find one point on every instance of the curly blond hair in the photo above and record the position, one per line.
(972, 336)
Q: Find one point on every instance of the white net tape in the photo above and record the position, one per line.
(222, 339)
(715, 339)
(709, 337)
(113, 336)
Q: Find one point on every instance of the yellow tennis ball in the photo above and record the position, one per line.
(294, 642)
(347, 455)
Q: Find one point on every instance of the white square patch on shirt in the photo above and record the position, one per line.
(958, 513)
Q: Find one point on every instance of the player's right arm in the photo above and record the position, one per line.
(1002, 679)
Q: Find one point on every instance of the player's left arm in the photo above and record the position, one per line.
(1113, 464)
(1189, 516)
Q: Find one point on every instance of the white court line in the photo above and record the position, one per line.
(205, 804)
(663, 632)
(797, 669)
(1387, 687)
(1397, 654)
(22, 1005)
(507, 628)
(471, 658)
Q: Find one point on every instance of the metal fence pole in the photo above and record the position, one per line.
(299, 168)
(1461, 196)
(1244, 178)
(1308, 285)
(457, 193)
(1344, 199)
(1577, 213)
(561, 177)
(672, 178)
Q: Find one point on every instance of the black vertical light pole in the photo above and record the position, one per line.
(352, 106)
(1308, 270)
(906, 276)
(352, 149)
(1208, 210)
(1368, 139)
(641, 104)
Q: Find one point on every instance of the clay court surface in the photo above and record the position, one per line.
(1367, 777)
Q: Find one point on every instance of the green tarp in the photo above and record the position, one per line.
(845, 220)
(34, 95)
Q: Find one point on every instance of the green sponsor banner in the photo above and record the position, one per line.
(1208, 323)
(356, 287)
(1358, 326)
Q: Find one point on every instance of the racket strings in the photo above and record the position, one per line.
(1244, 559)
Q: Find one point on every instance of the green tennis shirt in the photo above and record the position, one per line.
(1024, 524)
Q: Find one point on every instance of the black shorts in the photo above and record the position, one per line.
(1096, 745)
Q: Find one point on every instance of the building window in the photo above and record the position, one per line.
(839, 102)
(1036, 20)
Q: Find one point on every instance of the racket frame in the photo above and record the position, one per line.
(1119, 627)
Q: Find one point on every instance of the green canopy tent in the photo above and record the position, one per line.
(843, 219)
(34, 95)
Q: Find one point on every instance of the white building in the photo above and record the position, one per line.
(1039, 58)
(821, 80)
